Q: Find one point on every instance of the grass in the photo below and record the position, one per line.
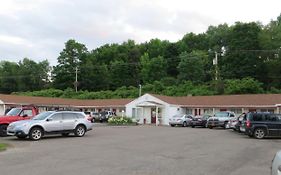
(3, 146)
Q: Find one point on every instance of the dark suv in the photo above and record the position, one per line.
(261, 124)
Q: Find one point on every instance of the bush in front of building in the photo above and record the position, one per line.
(120, 121)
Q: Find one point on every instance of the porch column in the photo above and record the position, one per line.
(157, 122)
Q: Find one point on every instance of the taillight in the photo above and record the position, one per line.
(248, 124)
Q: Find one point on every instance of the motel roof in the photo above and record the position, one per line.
(248, 100)
(49, 101)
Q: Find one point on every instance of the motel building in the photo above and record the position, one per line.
(152, 109)
(158, 109)
(117, 106)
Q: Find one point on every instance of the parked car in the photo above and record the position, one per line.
(51, 122)
(241, 123)
(105, 115)
(181, 119)
(16, 114)
(276, 164)
(200, 121)
(95, 115)
(220, 119)
(262, 124)
(89, 116)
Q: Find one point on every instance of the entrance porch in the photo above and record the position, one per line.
(149, 113)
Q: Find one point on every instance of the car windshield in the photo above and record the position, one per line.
(14, 112)
(221, 114)
(42, 116)
(205, 116)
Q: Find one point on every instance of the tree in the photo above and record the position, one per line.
(240, 59)
(9, 77)
(191, 66)
(34, 76)
(244, 86)
(153, 69)
(69, 59)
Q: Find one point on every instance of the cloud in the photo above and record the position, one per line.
(38, 29)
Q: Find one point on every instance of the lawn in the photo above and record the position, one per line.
(3, 146)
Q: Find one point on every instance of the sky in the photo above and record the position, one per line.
(38, 29)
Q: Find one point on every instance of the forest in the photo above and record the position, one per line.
(248, 62)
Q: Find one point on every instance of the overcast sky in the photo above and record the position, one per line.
(38, 29)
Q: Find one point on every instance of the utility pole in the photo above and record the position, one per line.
(139, 90)
(76, 81)
(215, 62)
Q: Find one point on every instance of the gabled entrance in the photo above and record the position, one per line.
(151, 112)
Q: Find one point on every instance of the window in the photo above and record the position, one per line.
(236, 110)
(272, 117)
(69, 116)
(27, 112)
(188, 110)
(134, 113)
(122, 109)
(56, 117)
(82, 116)
(208, 111)
(257, 117)
(267, 110)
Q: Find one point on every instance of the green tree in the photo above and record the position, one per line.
(240, 59)
(191, 66)
(153, 69)
(33, 76)
(9, 77)
(69, 59)
(243, 86)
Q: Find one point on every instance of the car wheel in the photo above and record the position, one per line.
(172, 125)
(210, 127)
(65, 134)
(259, 133)
(35, 133)
(239, 130)
(3, 130)
(80, 131)
(184, 124)
(224, 126)
(21, 137)
(192, 126)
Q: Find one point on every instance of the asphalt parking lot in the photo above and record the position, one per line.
(141, 150)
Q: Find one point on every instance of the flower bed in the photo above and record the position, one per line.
(120, 121)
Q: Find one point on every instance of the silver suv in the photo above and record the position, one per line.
(51, 122)
(220, 119)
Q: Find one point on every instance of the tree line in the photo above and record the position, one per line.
(248, 54)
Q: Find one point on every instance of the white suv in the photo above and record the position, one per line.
(51, 122)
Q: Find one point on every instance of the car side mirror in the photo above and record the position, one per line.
(25, 115)
(49, 119)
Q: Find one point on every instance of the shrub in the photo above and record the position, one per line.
(120, 120)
